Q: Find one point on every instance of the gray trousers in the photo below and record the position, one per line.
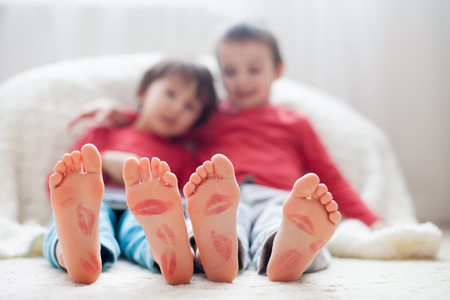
(259, 216)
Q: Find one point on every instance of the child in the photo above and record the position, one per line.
(271, 147)
(87, 235)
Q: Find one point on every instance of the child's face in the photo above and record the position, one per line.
(248, 71)
(170, 106)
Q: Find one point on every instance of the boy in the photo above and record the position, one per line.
(270, 147)
(175, 96)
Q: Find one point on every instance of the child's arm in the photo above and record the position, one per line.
(105, 112)
(112, 164)
(317, 160)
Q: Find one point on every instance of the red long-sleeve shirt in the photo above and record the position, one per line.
(273, 146)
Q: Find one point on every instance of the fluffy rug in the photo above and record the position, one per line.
(34, 278)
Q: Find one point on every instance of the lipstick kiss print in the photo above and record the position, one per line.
(217, 204)
(86, 219)
(166, 235)
(150, 207)
(303, 223)
(92, 265)
(289, 259)
(222, 244)
(169, 262)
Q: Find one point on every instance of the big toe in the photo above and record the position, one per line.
(131, 172)
(92, 160)
(306, 185)
(223, 168)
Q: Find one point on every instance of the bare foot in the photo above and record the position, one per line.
(309, 220)
(212, 195)
(154, 199)
(76, 196)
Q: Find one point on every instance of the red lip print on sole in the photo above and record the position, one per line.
(290, 259)
(150, 207)
(91, 266)
(86, 219)
(217, 204)
(222, 244)
(166, 235)
(169, 262)
(303, 223)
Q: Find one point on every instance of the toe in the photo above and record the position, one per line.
(155, 166)
(131, 174)
(305, 186)
(163, 167)
(91, 159)
(321, 190)
(335, 217)
(223, 168)
(55, 180)
(60, 167)
(195, 179)
(188, 189)
(325, 199)
(144, 168)
(76, 159)
(67, 159)
(332, 206)
(170, 179)
(201, 172)
(208, 166)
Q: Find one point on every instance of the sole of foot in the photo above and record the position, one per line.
(76, 191)
(212, 197)
(310, 218)
(153, 198)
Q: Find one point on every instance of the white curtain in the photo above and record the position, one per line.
(389, 59)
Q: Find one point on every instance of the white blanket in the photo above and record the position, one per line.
(36, 106)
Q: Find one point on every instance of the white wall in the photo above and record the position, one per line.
(388, 59)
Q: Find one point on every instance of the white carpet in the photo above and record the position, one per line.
(34, 278)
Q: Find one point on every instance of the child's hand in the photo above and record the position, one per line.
(378, 224)
(104, 112)
(112, 164)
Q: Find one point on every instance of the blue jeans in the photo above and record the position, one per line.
(120, 233)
